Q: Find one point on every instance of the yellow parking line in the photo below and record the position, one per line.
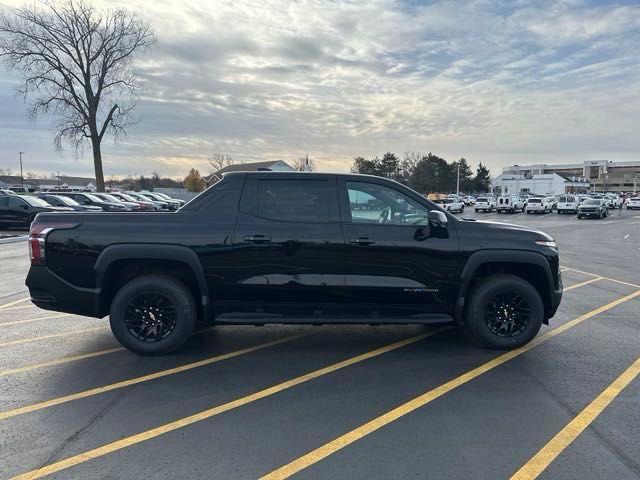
(45, 337)
(59, 361)
(145, 378)
(547, 454)
(183, 422)
(356, 434)
(578, 285)
(605, 278)
(14, 303)
(10, 309)
(17, 322)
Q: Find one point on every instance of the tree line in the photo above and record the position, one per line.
(426, 173)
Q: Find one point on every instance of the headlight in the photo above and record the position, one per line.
(550, 244)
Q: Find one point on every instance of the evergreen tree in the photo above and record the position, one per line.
(482, 180)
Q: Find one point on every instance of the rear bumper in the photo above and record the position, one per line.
(50, 292)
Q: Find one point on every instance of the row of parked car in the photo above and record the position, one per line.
(20, 210)
(582, 205)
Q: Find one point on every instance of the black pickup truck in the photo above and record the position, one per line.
(275, 247)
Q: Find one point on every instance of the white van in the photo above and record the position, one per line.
(568, 204)
(509, 203)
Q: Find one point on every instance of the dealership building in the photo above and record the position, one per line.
(545, 179)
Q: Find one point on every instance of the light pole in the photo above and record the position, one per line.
(21, 177)
(458, 181)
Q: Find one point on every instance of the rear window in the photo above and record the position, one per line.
(481, 199)
(535, 200)
(294, 200)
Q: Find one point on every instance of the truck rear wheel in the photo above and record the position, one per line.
(504, 312)
(153, 314)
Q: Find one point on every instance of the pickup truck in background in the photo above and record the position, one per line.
(284, 247)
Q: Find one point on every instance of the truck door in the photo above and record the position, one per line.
(288, 245)
(394, 255)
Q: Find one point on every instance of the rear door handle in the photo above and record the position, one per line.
(363, 241)
(257, 238)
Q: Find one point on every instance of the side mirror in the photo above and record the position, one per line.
(437, 218)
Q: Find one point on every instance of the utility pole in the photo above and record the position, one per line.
(21, 176)
(458, 181)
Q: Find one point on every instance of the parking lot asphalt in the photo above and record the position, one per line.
(337, 401)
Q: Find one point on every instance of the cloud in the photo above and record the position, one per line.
(493, 80)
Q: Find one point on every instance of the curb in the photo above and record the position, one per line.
(13, 239)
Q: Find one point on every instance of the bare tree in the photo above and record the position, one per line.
(218, 161)
(77, 63)
(304, 164)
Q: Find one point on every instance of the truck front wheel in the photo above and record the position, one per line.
(503, 312)
(153, 314)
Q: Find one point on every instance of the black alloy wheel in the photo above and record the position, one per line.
(507, 314)
(503, 311)
(150, 317)
(153, 314)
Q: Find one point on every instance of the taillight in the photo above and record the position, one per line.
(37, 237)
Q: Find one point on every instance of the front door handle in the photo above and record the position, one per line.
(257, 238)
(363, 241)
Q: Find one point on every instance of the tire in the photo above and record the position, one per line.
(485, 328)
(476, 210)
(176, 300)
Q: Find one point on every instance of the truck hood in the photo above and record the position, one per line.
(503, 231)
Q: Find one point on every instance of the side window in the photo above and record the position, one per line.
(16, 202)
(294, 200)
(4, 202)
(372, 203)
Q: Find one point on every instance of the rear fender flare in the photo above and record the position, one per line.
(151, 251)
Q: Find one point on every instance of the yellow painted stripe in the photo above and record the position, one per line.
(14, 303)
(605, 278)
(17, 322)
(582, 284)
(73, 358)
(547, 454)
(145, 378)
(239, 402)
(10, 309)
(55, 335)
(59, 361)
(356, 434)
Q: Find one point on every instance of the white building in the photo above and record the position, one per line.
(603, 175)
(538, 184)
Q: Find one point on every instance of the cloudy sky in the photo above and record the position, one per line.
(500, 82)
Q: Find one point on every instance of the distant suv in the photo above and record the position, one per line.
(286, 247)
(538, 205)
(453, 204)
(593, 208)
(633, 203)
(485, 204)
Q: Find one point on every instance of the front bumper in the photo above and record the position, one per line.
(50, 292)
